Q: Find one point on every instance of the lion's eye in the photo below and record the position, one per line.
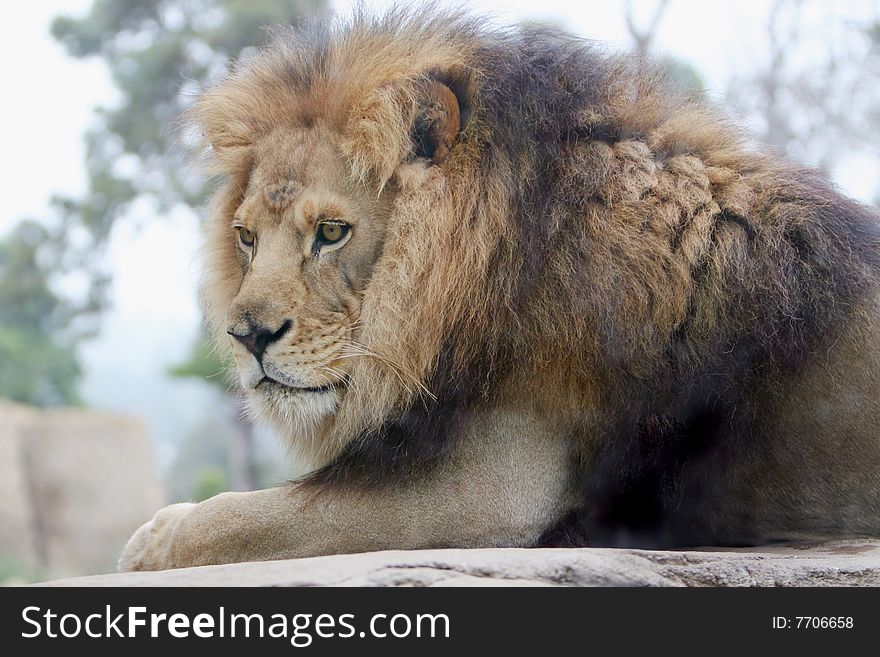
(331, 235)
(246, 237)
(332, 232)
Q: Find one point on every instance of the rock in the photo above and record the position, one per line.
(77, 484)
(18, 540)
(842, 563)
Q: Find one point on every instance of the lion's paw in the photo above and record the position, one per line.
(150, 546)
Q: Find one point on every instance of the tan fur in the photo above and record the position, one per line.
(611, 275)
(468, 509)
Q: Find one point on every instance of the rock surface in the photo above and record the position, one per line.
(18, 523)
(844, 563)
(74, 484)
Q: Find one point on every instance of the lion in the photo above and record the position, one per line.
(500, 287)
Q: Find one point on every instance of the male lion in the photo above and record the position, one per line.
(499, 288)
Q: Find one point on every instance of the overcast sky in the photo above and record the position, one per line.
(154, 317)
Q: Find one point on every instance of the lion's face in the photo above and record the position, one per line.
(306, 235)
(328, 273)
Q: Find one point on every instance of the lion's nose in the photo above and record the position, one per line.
(258, 337)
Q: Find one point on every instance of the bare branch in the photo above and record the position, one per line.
(644, 37)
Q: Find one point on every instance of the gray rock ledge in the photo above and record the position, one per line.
(842, 563)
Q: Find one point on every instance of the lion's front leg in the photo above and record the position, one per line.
(508, 479)
(226, 528)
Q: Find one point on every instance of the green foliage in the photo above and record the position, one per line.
(38, 328)
(34, 370)
(14, 573)
(211, 480)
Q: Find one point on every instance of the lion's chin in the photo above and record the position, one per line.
(294, 412)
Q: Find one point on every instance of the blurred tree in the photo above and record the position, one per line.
(204, 463)
(39, 328)
(643, 38)
(205, 364)
(816, 96)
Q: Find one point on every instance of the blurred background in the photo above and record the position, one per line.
(111, 401)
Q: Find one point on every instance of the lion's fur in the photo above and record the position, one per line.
(597, 247)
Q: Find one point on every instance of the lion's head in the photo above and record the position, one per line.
(326, 242)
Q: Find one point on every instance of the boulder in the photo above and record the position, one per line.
(74, 485)
(18, 531)
(842, 563)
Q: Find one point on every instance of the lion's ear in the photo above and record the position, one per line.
(438, 122)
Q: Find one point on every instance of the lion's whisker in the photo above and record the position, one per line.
(405, 375)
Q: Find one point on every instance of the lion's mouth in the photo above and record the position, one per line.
(269, 381)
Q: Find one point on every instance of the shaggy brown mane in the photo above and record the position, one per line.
(596, 245)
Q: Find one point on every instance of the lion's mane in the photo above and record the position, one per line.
(597, 245)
